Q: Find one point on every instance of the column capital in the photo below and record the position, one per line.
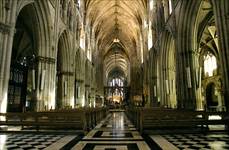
(87, 85)
(154, 77)
(47, 60)
(79, 80)
(188, 52)
(5, 28)
(66, 73)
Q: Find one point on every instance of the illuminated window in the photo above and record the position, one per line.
(82, 43)
(210, 64)
(170, 7)
(145, 24)
(82, 39)
(113, 82)
(150, 40)
(151, 4)
(116, 82)
(89, 54)
(79, 3)
(141, 49)
(116, 40)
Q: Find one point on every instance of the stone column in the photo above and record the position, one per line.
(221, 11)
(7, 30)
(80, 99)
(92, 97)
(145, 92)
(154, 93)
(166, 9)
(46, 73)
(162, 84)
(185, 54)
(67, 99)
(93, 86)
(185, 74)
(172, 103)
(87, 95)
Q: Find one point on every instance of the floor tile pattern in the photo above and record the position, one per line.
(116, 132)
(27, 141)
(216, 141)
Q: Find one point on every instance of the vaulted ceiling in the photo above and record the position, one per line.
(116, 19)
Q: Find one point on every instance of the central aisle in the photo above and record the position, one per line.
(115, 132)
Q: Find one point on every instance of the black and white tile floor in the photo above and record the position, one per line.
(200, 141)
(115, 132)
(34, 141)
(27, 141)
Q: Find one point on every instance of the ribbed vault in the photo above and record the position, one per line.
(116, 19)
(120, 19)
(116, 58)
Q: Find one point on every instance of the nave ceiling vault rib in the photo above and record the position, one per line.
(102, 14)
(121, 19)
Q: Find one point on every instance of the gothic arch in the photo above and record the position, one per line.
(70, 15)
(154, 78)
(205, 42)
(21, 4)
(64, 47)
(80, 81)
(221, 10)
(63, 78)
(168, 70)
(42, 15)
(26, 46)
(186, 24)
(78, 64)
(185, 62)
(205, 19)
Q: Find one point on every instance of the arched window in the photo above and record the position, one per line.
(151, 3)
(78, 3)
(116, 82)
(82, 38)
(210, 64)
(141, 48)
(150, 37)
(170, 6)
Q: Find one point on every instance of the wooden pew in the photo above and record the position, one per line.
(157, 118)
(78, 119)
(51, 120)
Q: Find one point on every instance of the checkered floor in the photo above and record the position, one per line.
(216, 141)
(27, 141)
(116, 132)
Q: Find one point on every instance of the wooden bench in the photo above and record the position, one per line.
(156, 118)
(49, 120)
(80, 120)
